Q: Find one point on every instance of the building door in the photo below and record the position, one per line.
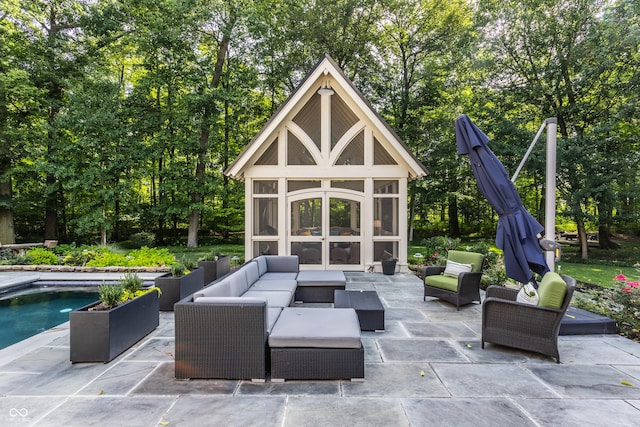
(325, 230)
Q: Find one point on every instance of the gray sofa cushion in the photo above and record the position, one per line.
(283, 264)
(273, 313)
(316, 327)
(238, 283)
(273, 298)
(251, 272)
(228, 300)
(275, 285)
(216, 289)
(278, 276)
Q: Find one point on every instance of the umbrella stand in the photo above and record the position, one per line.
(550, 190)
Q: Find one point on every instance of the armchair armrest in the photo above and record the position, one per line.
(432, 270)
(495, 291)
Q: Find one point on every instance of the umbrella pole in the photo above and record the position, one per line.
(550, 197)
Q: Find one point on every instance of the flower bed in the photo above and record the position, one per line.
(620, 302)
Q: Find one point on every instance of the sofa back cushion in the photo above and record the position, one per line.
(216, 289)
(283, 263)
(238, 282)
(251, 273)
(464, 257)
(552, 290)
(261, 262)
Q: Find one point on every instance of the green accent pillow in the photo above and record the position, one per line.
(552, 290)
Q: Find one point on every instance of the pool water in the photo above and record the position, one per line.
(29, 312)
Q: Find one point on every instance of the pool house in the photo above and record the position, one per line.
(326, 179)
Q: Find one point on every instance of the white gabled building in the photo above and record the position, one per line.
(326, 178)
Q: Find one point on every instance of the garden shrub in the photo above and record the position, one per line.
(143, 238)
(620, 302)
(41, 256)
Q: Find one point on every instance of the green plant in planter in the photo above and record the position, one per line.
(211, 255)
(110, 295)
(178, 270)
(127, 288)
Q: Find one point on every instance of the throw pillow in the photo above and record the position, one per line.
(528, 295)
(552, 290)
(453, 269)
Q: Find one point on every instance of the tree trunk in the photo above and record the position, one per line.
(7, 231)
(454, 223)
(582, 239)
(604, 238)
(205, 130)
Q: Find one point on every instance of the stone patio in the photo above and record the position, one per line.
(426, 368)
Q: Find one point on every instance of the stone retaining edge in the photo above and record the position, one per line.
(79, 269)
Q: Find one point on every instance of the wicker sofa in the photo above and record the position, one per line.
(222, 331)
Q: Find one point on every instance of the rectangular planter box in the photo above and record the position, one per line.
(213, 270)
(176, 288)
(100, 336)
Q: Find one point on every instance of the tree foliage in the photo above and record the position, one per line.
(118, 117)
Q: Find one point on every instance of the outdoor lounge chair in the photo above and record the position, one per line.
(459, 289)
(524, 326)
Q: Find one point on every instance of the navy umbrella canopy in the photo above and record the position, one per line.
(517, 233)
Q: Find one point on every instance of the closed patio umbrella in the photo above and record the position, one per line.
(517, 233)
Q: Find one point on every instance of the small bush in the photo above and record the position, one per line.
(7, 257)
(111, 295)
(143, 238)
(621, 303)
(42, 256)
(131, 282)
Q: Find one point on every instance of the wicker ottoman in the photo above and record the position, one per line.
(316, 343)
(318, 286)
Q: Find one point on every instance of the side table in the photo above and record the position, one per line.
(367, 305)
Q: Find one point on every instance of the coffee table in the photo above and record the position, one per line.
(367, 305)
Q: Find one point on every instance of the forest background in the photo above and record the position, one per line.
(120, 116)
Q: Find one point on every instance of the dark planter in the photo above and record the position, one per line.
(389, 266)
(213, 270)
(176, 288)
(100, 336)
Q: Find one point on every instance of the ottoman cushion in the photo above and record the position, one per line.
(316, 327)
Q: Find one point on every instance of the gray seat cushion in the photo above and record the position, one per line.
(321, 278)
(272, 315)
(317, 328)
(278, 276)
(275, 285)
(273, 298)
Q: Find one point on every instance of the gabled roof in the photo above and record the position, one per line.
(325, 66)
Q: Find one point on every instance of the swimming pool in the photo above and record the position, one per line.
(35, 309)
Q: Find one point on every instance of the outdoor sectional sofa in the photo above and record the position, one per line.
(242, 326)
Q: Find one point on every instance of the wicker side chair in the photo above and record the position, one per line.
(523, 326)
(462, 290)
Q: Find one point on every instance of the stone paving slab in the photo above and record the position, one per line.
(477, 380)
(581, 412)
(460, 412)
(586, 381)
(120, 380)
(337, 411)
(26, 410)
(226, 411)
(109, 411)
(397, 380)
(412, 350)
(163, 382)
(439, 330)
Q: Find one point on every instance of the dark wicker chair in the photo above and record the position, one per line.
(523, 326)
(468, 284)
